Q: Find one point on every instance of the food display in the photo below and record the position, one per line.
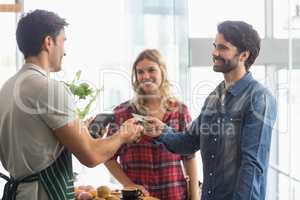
(101, 193)
(150, 198)
(85, 192)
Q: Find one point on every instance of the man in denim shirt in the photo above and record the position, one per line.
(234, 128)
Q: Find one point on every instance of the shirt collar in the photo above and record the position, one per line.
(36, 68)
(241, 84)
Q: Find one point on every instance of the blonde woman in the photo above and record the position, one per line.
(145, 164)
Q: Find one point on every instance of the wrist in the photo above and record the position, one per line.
(164, 129)
(128, 184)
(120, 137)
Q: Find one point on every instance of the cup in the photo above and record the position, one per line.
(131, 193)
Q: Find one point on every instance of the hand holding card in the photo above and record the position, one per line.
(153, 127)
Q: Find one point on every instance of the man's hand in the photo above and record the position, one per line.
(153, 127)
(131, 130)
(88, 121)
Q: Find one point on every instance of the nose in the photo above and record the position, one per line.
(215, 52)
(145, 76)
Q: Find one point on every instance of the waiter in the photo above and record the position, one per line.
(38, 126)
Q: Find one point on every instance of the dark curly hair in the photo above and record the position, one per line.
(33, 27)
(242, 36)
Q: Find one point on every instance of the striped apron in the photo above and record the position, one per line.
(57, 180)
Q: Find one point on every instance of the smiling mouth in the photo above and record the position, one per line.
(147, 82)
(218, 61)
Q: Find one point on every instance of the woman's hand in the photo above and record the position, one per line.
(141, 188)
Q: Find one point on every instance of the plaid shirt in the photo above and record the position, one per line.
(150, 164)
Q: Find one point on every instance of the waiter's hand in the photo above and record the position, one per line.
(131, 130)
(88, 121)
(153, 127)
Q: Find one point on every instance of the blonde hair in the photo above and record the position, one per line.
(139, 101)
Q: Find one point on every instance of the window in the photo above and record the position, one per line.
(281, 16)
(8, 46)
(203, 81)
(204, 17)
(8, 53)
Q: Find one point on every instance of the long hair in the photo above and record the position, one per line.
(140, 99)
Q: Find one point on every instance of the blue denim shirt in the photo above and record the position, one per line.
(233, 132)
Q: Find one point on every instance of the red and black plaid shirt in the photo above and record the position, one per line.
(150, 164)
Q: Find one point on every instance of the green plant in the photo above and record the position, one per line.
(83, 92)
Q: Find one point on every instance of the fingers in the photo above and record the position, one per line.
(88, 121)
(131, 130)
(142, 189)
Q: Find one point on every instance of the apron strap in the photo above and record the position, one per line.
(57, 180)
(10, 188)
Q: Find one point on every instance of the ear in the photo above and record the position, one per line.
(47, 43)
(244, 56)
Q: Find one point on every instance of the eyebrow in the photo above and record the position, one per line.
(220, 46)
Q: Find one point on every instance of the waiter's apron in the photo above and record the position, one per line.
(57, 180)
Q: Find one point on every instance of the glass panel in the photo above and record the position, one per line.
(7, 57)
(288, 137)
(280, 18)
(295, 119)
(283, 190)
(204, 16)
(7, 1)
(99, 39)
(282, 121)
(203, 81)
(116, 88)
(281, 15)
(259, 73)
(296, 191)
(8, 46)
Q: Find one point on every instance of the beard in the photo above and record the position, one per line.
(225, 65)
